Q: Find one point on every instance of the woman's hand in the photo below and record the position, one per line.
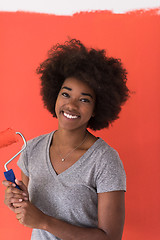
(29, 215)
(13, 194)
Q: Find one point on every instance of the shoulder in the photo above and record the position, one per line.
(110, 171)
(38, 142)
(105, 150)
(32, 155)
(107, 157)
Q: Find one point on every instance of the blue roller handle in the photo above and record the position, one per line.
(9, 175)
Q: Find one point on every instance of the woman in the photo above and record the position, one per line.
(73, 183)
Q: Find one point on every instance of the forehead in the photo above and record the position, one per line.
(78, 85)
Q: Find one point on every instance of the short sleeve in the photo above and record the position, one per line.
(23, 162)
(111, 174)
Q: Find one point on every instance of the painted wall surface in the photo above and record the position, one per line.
(134, 37)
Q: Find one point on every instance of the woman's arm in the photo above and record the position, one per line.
(111, 212)
(25, 179)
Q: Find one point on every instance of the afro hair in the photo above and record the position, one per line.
(105, 75)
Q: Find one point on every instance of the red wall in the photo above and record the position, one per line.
(134, 37)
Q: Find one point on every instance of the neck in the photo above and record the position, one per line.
(69, 138)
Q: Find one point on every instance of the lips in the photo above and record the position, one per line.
(69, 115)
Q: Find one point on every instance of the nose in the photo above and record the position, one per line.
(72, 105)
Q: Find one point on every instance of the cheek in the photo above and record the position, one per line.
(89, 111)
(57, 106)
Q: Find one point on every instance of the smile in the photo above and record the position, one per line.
(69, 116)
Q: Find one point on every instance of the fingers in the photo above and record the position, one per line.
(19, 215)
(8, 184)
(15, 192)
(21, 185)
(17, 199)
(14, 195)
(11, 199)
(20, 205)
(21, 211)
(11, 187)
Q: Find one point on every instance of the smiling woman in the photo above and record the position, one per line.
(75, 181)
(75, 103)
(104, 75)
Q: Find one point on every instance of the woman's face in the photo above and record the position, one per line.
(75, 104)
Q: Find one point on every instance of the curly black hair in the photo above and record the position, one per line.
(105, 75)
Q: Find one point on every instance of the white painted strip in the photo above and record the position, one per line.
(69, 7)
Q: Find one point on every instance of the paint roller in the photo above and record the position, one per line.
(8, 137)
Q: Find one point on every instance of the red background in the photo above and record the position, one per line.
(133, 37)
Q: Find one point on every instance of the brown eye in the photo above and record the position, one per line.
(66, 95)
(85, 100)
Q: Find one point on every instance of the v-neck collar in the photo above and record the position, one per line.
(74, 165)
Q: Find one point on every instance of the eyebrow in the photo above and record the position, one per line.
(84, 94)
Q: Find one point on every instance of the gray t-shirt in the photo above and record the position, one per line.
(71, 195)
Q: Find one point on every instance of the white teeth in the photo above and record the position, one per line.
(70, 116)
